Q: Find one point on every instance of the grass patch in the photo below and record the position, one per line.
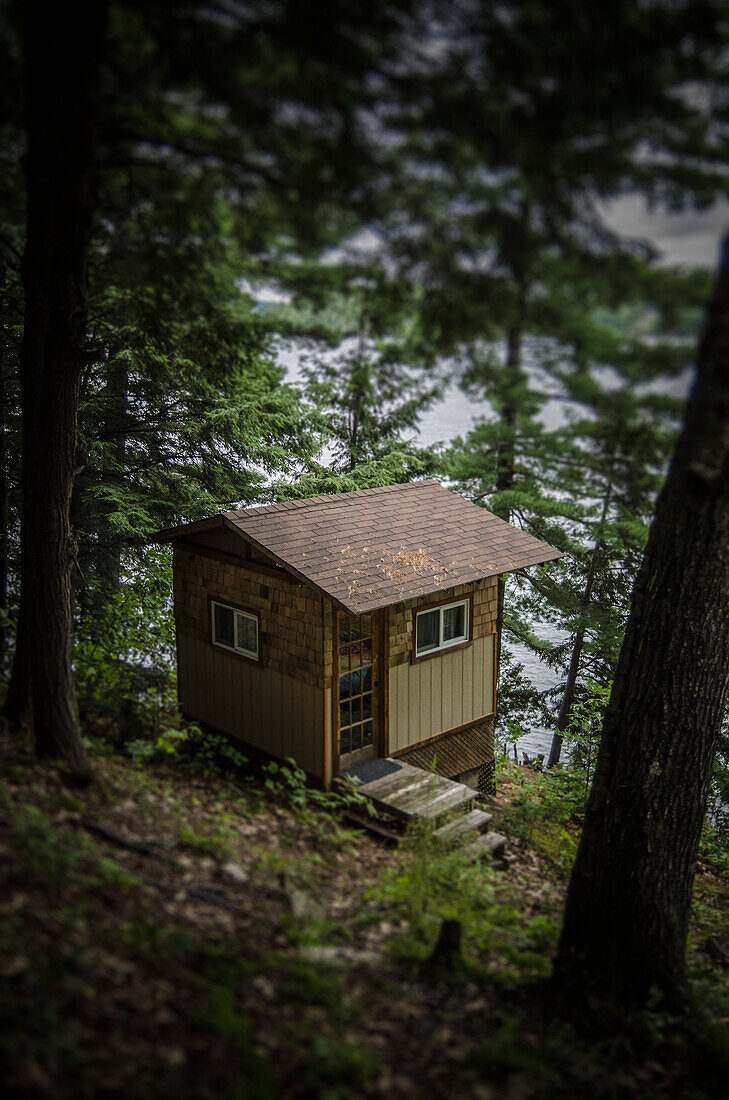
(544, 811)
(431, 882)
(47, 854)
(216, 844)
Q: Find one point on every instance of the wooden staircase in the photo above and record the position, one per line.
(403, 792)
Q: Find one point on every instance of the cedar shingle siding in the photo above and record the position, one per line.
(291, 637)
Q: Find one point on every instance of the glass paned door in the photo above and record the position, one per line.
(357, 661)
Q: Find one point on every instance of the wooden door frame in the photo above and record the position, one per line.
(379, 686)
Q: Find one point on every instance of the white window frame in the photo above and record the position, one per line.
(461, 640)
(254, 656)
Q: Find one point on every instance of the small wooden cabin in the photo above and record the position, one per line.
(339, 628)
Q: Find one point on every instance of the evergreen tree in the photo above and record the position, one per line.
(369, 404)
(587, 487)
(183, 410)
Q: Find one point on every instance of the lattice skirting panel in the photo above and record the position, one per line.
(487, 778)
(458, 752)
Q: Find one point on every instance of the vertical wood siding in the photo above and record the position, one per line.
(430, 697)
(281, 715)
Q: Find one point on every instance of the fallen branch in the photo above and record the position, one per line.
(202, 891)
(151, 848)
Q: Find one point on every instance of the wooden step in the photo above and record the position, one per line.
(413, 792)
(488, 844)
(404, 779)
(449, 800)
(373, 825)
(503, 863)
(413, 800)
(477, 821)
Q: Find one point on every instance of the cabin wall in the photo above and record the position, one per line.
(276, 705)
(449, 690)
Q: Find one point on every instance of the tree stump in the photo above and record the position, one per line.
(446, 955)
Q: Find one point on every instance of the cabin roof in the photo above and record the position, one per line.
(375, 547)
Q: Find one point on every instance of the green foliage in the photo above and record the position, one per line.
(715, 839)
(167, 744)
(337, 1065)
(582, 736)
(714, 844)
(520, 704)
(289, 782)
(214, 844)
(368, 404)
(544, 809)
(432, 882)
(47, 853)
(203, 752)
(504, 1052)
(393, 468)
(124, 650)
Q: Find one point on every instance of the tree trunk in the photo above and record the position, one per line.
(62, 51)
(568, 697)
(506, 465)
(506, 457)
(3, 524)
(569, 689)
(98, 574)
(627, 910)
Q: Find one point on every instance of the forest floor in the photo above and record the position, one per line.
(168, 934)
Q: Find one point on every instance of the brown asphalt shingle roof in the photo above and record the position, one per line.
(375, 547)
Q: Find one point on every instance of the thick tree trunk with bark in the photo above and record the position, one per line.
(627, 910)
(3, 522)
(62, 52)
